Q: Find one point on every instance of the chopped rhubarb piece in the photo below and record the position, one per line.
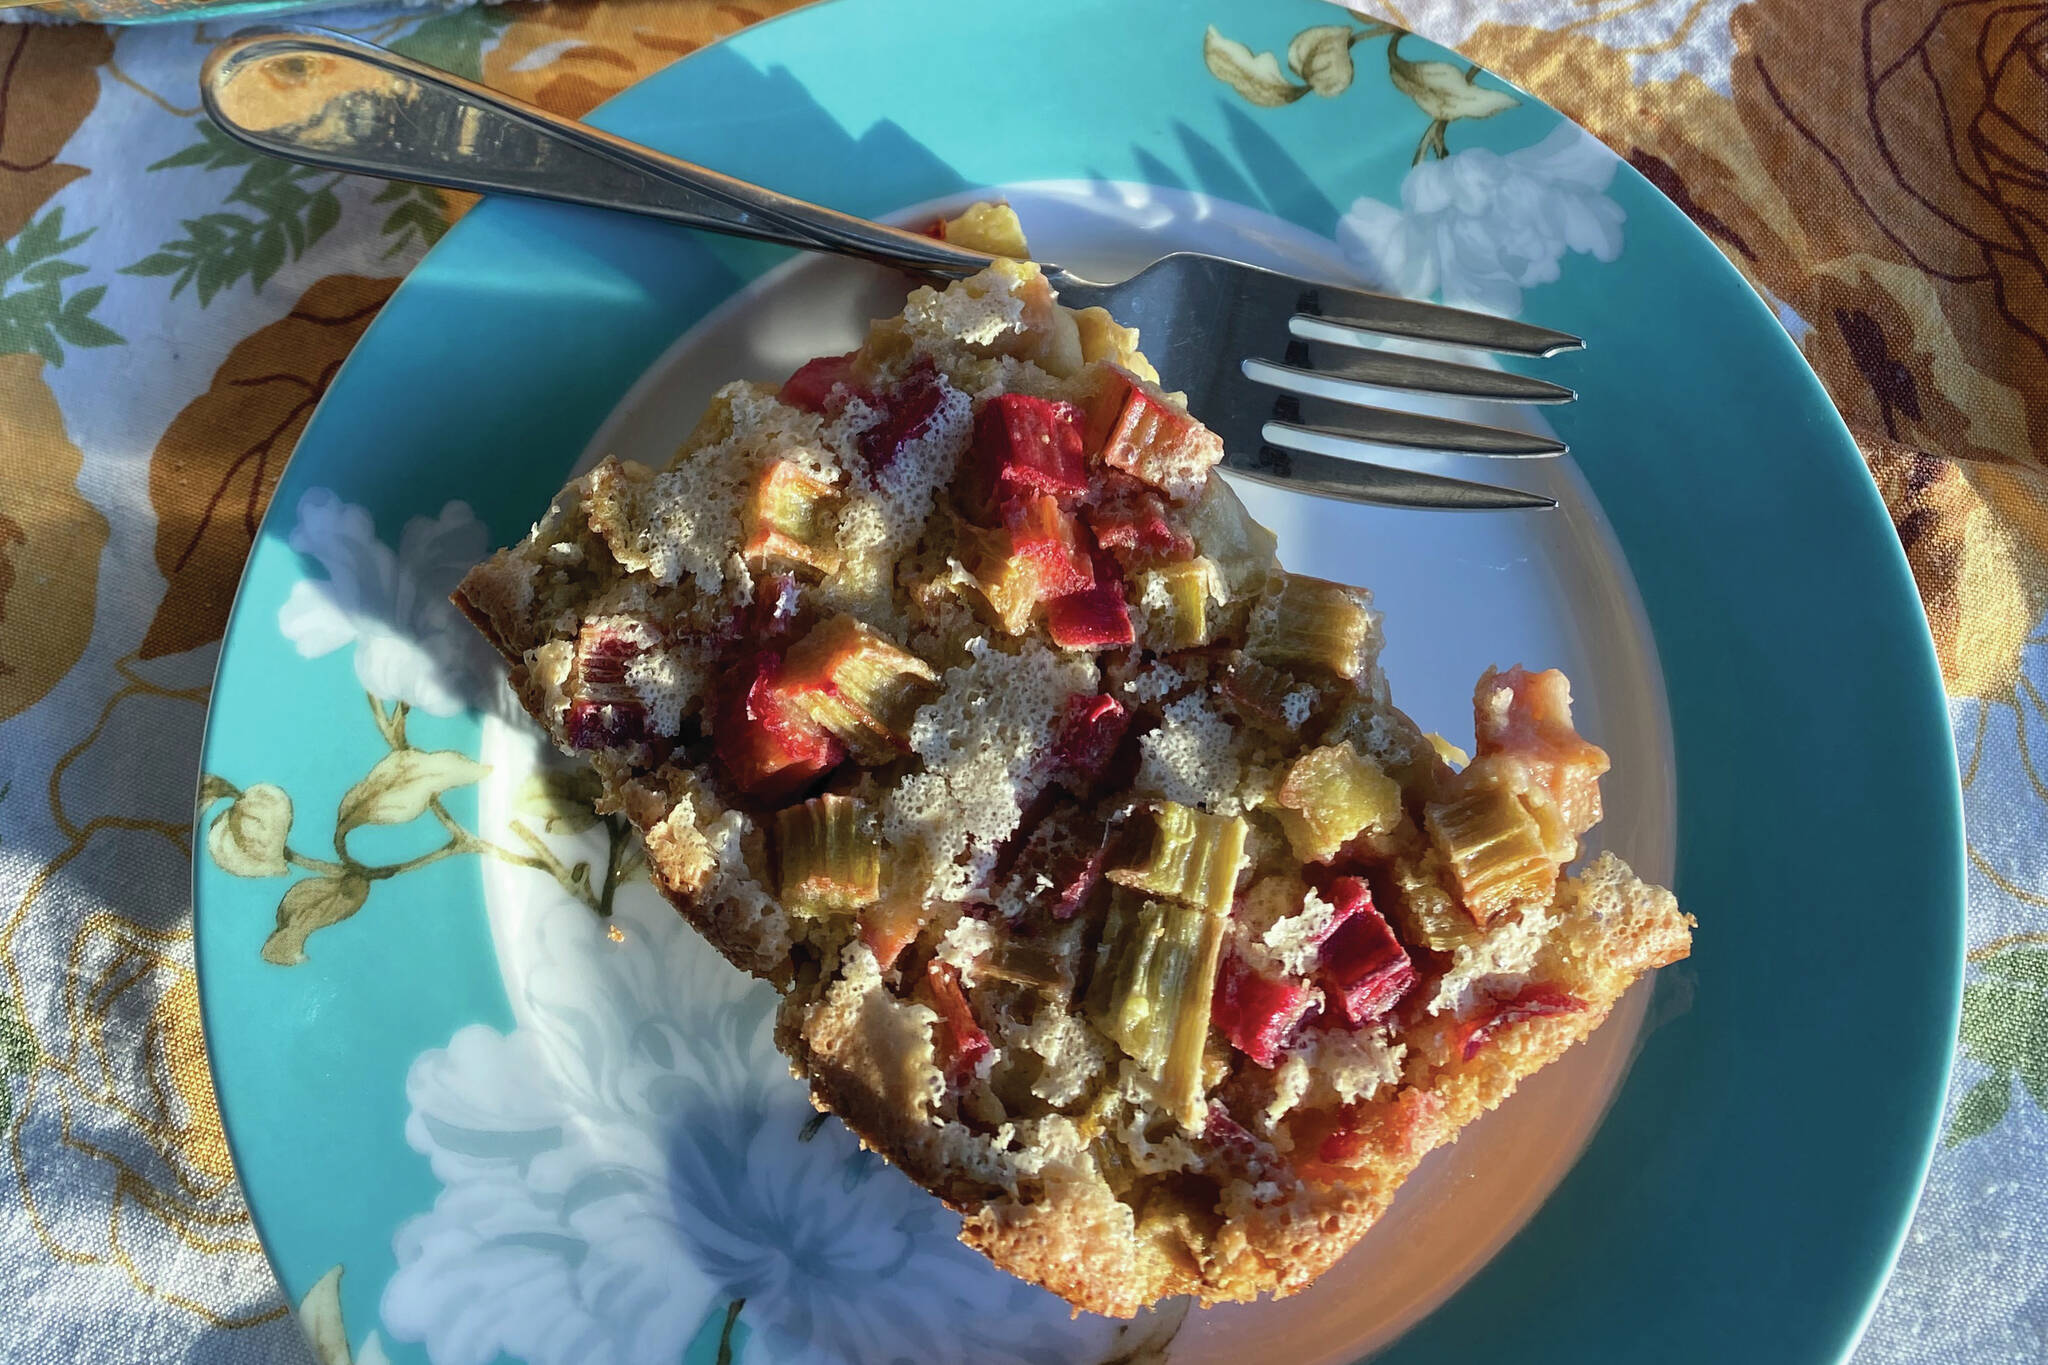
(829, 858)
(1041, 964)
(1494, 844)
(1528, 717)
(791, 519)
(890, 926)
(1175, 602)
(1095, 618)
(1189, 856)
(767, 743)
(963, 1042)
(1088, 737)
(906, 415)
(822, 385)
(1022, 445)
(1330, 796)
(1130, 518)
(1045, 537)
(1135, 427)
(859, 685)
(1060, 863)
(1276, 702)
(1155, 977)
(1343, 1138)
(1533, 1002)
(605, 711)
(1365, 968)
(1312, 621)
(1258, 1013)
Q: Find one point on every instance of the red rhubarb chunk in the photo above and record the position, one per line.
(963, 1042)
(1256, 1012)
(605, 712)
(907, 413)
(1088, 737)
(813, 386)
(1060, 862)
(1045, 537)
(605, 725)
(1534, 1002)
(1022, 445)
(1364, 967)
(1095, 618)
(1131, 519)
(767, 743)
(772, 611)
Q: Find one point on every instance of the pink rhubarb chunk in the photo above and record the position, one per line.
(1256, 1012)
(1534, 1002)
(1022, 445)
(1364, 967)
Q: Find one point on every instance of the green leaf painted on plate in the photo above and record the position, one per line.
(309, 906)
(399, 788)
(1322, 57)
(563, 800)
(248, 838)
(1255, 75)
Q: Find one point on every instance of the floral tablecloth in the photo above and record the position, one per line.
(171, 309)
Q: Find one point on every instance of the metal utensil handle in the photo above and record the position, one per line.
(332, 101)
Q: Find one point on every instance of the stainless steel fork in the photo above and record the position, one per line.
(1250, 347)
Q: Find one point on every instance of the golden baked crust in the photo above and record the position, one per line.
(1129, 916)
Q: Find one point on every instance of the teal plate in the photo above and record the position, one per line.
(476, 1123)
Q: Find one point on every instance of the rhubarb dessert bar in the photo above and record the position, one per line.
(1108, 894)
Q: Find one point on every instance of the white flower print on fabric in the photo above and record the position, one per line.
(411, 644)
(1478, 227)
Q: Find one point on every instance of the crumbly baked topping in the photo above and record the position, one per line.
(1109, 894)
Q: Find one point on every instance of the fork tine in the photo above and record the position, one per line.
(1360, 311)
(1361, 371)
(1304, 471)
(1304, 415)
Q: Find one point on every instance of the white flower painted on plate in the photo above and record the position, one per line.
(411, 644)
(631, 1159)
(1478, 227)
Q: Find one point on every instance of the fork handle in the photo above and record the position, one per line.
(332, 101)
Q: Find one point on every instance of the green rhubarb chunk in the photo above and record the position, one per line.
(1190, 856)
(828, 858)
(1311, 621)
(1330, 796)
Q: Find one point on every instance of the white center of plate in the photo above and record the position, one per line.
(1461, 592)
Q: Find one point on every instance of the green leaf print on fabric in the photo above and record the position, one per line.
(455, 42)
(289, 208)
(36, 316)
(419, 216)
(274, 213)
(2005, 1027)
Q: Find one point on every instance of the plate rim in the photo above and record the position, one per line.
(1790, 361)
